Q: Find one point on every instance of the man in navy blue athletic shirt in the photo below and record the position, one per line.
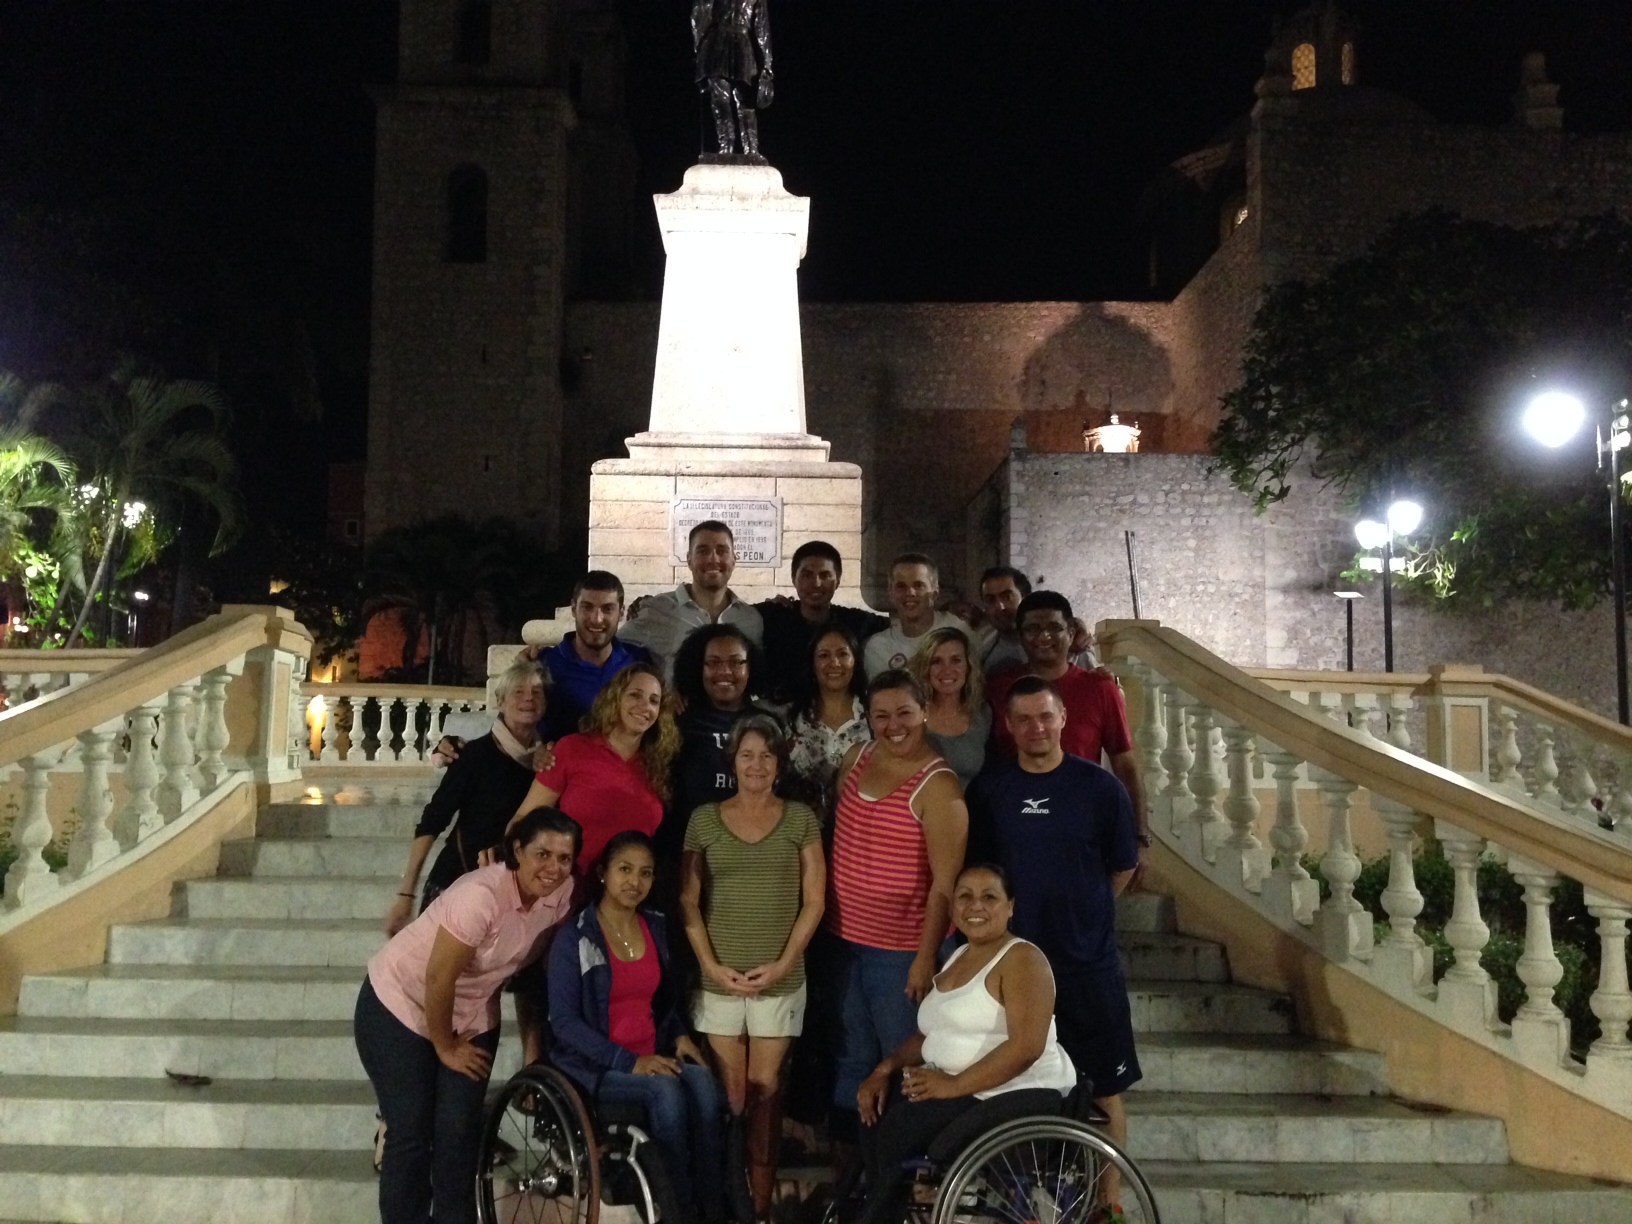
(588, 657)
(1064, 830)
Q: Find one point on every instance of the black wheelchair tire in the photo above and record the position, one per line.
(548, 1098)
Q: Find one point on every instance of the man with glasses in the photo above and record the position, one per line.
(1096, 720)
(1002, 587)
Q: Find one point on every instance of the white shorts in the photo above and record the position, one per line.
(733, 1015)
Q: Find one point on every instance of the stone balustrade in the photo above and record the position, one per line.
(147, 742)
(30, 674)
(375, 725)
(1508, 774)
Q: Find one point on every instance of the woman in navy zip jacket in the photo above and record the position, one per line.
(614, 1005)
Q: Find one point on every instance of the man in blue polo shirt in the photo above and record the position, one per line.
(1064, 830)
(589, 656)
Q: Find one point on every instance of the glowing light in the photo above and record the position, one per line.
(133, 513)
(1554, 417)
(1371, 534)
(1404, 517)
(88, 490)
(140, 596)
(1114, 439)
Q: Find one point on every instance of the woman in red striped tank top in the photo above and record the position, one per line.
(898, 843)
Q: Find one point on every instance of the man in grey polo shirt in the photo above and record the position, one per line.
(665, 619)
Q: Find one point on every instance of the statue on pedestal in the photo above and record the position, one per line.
(733, 43)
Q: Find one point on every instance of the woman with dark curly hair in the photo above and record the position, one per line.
(613, 775)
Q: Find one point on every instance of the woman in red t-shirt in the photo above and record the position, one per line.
(614, 775)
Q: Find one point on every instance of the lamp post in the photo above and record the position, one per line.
(1553, 418)
(1402, 519)
(1348, 598)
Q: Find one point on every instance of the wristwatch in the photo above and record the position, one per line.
(1145, 840)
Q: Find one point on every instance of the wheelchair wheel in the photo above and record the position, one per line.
(539, 1162)
(1040, 1171)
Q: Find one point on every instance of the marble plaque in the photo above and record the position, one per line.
(756, 525)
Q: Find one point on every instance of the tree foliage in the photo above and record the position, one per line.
(1404, 372)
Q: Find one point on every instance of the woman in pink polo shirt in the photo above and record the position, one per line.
(427, 1019)
(614, 774)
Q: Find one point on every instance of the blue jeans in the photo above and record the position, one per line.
(433, 1119)
(877, 1015)
(683, 1114)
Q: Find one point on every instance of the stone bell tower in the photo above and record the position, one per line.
(506, 115)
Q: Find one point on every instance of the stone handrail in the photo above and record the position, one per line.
(214, 706)
(27, 674)
(1204, 730)
(357, 724)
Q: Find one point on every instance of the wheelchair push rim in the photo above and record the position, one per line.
(540, 1163)
(1040, 1171)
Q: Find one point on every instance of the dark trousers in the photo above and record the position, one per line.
(433, 1119)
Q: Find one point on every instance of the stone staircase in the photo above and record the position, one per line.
(253, 979)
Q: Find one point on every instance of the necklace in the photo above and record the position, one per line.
(628, 947)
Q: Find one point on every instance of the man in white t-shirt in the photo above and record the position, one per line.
(914, 585)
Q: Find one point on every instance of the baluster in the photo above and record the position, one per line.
(213, 733)
(1289, 892)
(177, 790)
(328, 736)
(1149, 736)
(1401, 962)
(30, 878)
(1344, 924)
(1205, 818)
(140, 817)
(1507, 755)
(1467, 996)
(1617, 812)
(1543, 786)
(1326, 704)
(1176, 759)
(1398, 705)
(1541, 1032)
(1238, 856)
(1612, 1000)
(1579, 788)
(95, 842)
(439, 721)
(1360, 707)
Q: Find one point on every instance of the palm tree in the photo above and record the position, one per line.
(35, 477)
(149, 439)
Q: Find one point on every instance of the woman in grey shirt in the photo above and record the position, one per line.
(959, 720)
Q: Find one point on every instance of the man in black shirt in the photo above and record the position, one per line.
(792, 625)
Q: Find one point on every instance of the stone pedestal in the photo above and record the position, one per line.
(727, 434)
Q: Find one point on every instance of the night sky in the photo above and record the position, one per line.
(168, 155)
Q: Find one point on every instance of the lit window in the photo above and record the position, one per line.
(1348, 63)
(1303, 66)
(467, 215)
(475, 33)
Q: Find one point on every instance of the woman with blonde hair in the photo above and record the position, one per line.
(613, 775)
(958, 720)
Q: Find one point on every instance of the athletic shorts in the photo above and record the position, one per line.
(727, 1015)
(1094, 1022)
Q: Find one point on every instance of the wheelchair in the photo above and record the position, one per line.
(546, 1160)
(1037, 1159)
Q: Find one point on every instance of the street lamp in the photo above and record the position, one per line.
(1553, 418)
(1348, 598)
(1403, 518)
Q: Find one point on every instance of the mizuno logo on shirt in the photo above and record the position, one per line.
(1034, 807)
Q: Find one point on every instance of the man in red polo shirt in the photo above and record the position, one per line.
(1096, 720)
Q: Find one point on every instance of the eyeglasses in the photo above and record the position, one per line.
(1046, 629)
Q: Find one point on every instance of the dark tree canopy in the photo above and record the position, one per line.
(1405, 372)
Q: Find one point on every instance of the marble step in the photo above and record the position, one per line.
(301, 897)
(1160, 956)
(1255, 1063)
(316, 1115)
(315, 856)
(1269, 1128)
(220, 1049)
(135, 1185)
(308, 820)
(246, 941)
(329, 992)
(1250, 1193)
(1146, 913)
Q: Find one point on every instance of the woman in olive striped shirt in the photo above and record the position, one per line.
(754, 887)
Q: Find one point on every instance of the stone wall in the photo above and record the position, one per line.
(922, 396)
(1257, 589)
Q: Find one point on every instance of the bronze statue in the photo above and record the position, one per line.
(733, 42)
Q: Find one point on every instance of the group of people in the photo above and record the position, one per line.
(732, 857)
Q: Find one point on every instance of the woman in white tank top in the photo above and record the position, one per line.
(987, 1028)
